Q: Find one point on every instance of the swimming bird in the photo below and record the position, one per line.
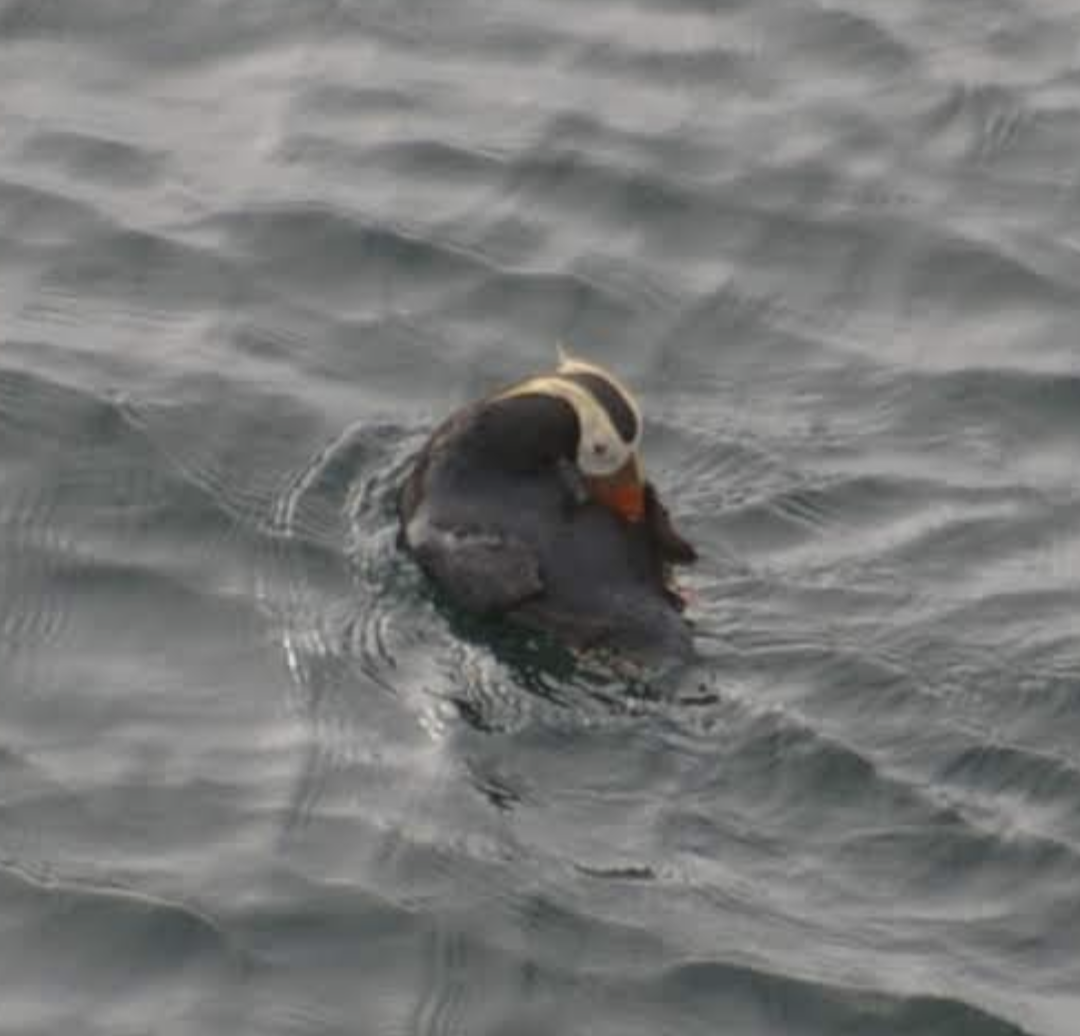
(531, 504)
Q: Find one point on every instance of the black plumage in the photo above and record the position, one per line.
(492, 513)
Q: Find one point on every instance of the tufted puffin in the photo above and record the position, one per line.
(531, 504)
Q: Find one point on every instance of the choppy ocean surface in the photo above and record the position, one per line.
(252, 777)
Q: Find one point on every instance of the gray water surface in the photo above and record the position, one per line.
(253, 778)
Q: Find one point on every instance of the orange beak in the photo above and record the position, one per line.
(622, 492)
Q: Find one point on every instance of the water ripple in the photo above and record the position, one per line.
(252, 253)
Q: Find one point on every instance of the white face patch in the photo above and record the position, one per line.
(600, 450)
(603, 450)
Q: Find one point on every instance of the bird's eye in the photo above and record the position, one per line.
(599, 449)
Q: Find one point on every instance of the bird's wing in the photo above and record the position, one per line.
(481, 571)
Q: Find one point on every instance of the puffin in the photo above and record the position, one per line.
(531, 505)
